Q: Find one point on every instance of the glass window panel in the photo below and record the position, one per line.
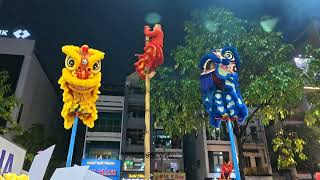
(216, 159)
(108, 122)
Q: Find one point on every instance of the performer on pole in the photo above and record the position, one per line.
(80, 82)
(153, 53)
(221, 97)
(145, 67)
(226, 170)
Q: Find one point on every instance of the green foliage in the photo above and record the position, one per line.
(311, 136)
(289, 147)
(33, 140)
(265, 59)
(7, 103)
(269, 79)
(313, 115)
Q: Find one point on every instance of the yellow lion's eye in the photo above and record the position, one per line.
(69, 62)
(96, 67)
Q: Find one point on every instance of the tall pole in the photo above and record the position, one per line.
(147, 123)
(233, 150)
(72, 139)
(147, 132)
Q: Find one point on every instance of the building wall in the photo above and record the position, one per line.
(34, 90)
(106, 105)
(134, 119)
(198, 148)
(39, 102)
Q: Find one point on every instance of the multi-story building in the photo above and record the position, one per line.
(39, 102)
(256, 157)
(103, 141)
(133, 127)
(133, 135)
(206, 151)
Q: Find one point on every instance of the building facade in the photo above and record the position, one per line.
(207, 150)
(256, 156)
(38, 100)
(103, 141)
(133, 136)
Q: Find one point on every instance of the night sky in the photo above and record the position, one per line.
(116, 26)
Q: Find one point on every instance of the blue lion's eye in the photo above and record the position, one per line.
(228, 55)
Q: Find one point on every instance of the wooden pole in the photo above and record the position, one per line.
(147, 132)
(147, 154)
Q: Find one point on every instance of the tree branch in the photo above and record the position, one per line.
(252, 114)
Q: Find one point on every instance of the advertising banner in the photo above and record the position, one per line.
(11, 157)
(171, 176)
(106, 167)
(132, 176)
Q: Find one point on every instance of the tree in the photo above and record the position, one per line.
(311, 136)
(312, 118)
(270, 82)
(7, 103)
(35, 140)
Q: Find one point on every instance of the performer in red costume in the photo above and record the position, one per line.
(153, 54)
(226, 170)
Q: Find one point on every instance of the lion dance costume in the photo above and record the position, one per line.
(153, 54)
(219, 86)
(12, 176)
(226, 170)
(80, 81)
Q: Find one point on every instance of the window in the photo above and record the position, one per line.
(254, 135)
(135, 111)
(102, 150)
(136, 90)
(107, 122)
(216, 160)
(219, 134)
(135, 136)
(247, 161)
(164, 141)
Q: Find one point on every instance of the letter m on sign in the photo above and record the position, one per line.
(8, 164)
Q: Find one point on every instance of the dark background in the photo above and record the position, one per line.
(116, 26)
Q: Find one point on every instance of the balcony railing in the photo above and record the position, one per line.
(254, 138)
(256, 171)
(217, 135)
(105, 128)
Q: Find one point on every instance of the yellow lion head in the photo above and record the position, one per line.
(80, 81)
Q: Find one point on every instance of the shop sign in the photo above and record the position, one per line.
(164, 176)
(132, 176)
(106, 167)
(19, 34)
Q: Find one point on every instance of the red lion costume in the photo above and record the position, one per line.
(153, 54)
(226, 170)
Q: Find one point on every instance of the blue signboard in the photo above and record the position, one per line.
(106, 167)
